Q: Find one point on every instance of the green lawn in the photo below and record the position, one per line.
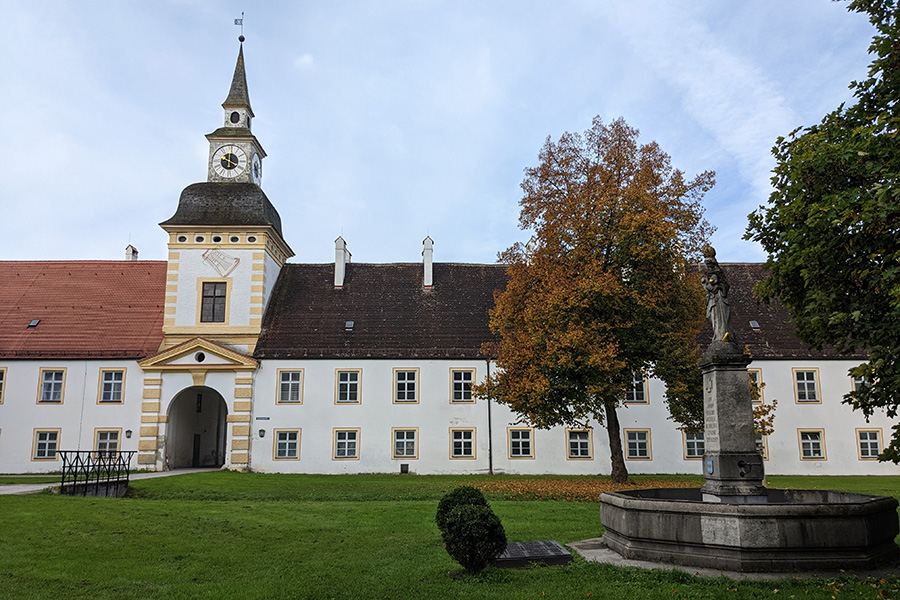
(228, 535)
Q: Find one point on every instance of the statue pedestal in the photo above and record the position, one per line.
(732, 465)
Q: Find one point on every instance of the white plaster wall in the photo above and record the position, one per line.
(434, 415)
(837, 419)
(77, 416)
(191, 267)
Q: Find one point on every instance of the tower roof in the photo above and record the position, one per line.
(237, 95)
(225, 204)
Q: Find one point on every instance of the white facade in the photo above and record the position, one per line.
(318, 416)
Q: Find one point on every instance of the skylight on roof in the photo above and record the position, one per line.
(33, 323)
(754, 325)
(348, 326)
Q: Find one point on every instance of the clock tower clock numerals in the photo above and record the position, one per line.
(229, 161)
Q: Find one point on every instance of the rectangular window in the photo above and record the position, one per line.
(756, 384)
(346, 444)
(347, 391)
(290, 389)
(461, 383)
(869, 441)
(762, 445)
(46, 443)
(812, 444)
(462, 443)
(806, 385)
(637, 444)
(580, 443)
(111, 385)
(694, 445)
(213, 306)
(106, 443)
(2, 382)
(859, 382)
(287, 444)
(637, 392)
(520, 443)
(52, 385)
(405, 443)
(405, 385)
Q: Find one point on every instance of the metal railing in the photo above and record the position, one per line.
(95, 473)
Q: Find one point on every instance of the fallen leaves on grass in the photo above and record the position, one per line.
(572, 490)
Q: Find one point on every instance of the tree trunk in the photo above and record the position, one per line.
(619, 472)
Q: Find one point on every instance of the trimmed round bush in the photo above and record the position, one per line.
(474, 537)
(460, 496)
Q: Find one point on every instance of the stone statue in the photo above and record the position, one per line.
(718, 305)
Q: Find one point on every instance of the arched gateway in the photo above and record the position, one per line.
(196, 431)
(198, 401)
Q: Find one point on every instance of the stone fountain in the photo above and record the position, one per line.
(733, 522)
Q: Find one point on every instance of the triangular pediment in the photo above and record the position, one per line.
(199, 353)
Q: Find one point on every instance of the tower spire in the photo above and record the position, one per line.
(237, 95)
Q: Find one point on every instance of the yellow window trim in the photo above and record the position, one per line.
(818, 399)
(509, 441)
(590, 433)
(124, 371)
(858, 446)
(821, 433)
(474, 376)
(62, 394)
(34, 440)
(625, 433)
(275, 433)
(334, 432)
(394, 444)
(394, 385)
(474, 443)
(278, 386)
(337, 385)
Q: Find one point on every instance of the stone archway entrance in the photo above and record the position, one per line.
(195, 435)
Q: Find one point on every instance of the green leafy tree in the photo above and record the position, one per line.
(604, 289)
(832, 226)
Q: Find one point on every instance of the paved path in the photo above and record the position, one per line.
(34, 488)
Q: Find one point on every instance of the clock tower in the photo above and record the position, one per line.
(226, 247)
(234, 152)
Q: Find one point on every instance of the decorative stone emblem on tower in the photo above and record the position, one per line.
(221, 262)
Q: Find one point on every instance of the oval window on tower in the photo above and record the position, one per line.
(235, 117)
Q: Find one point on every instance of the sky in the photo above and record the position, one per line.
(386, 122)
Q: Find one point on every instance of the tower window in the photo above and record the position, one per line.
(235, 117)
(213, 309)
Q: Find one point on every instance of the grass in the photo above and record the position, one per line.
(228, 535)
(13, 479)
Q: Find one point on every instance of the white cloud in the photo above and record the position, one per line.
(305, 62)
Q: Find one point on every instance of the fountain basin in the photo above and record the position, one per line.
(797, 530)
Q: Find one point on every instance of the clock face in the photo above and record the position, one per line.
(256, 169)
(229, 161)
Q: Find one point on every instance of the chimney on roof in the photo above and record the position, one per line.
(427, 255)
(341, 260)
(131, 253)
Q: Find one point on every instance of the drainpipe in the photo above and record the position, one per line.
(490, 430)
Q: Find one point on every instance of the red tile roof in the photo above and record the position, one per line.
(87, 309)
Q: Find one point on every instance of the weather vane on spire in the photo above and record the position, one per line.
(241, 23)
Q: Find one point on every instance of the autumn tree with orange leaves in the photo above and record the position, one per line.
(605, 287)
